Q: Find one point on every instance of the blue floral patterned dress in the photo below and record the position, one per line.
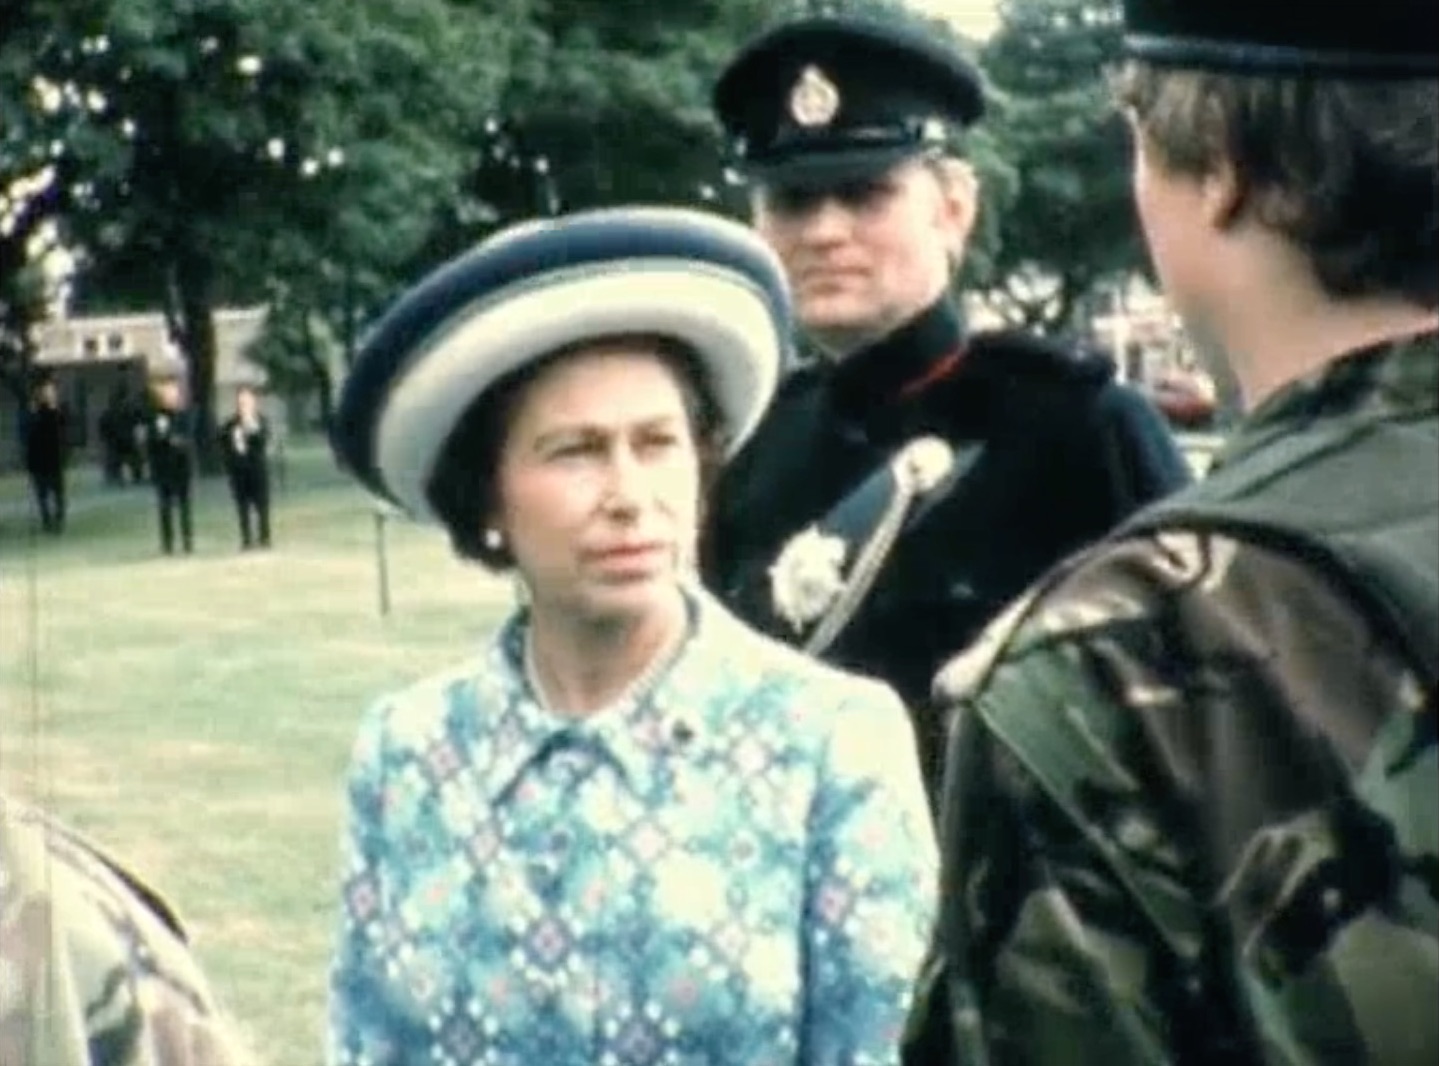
(735, 870)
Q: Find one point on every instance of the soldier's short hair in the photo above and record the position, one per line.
(1346, 169)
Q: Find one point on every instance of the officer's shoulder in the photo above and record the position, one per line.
(66, 848)
(1019, 354)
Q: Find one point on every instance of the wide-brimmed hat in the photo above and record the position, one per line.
(698, 278)
(825, 100)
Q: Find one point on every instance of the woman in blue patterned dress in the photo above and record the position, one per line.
(630, 830)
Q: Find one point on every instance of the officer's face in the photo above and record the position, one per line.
(864, 258)
(599, 484)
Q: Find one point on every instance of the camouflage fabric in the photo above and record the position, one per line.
(93, 969)
(1190, 807)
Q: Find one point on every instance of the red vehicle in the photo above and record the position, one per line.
(1186, 397)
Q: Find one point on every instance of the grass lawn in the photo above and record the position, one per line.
(196, 713)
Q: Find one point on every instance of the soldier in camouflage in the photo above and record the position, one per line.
(1189, 812)
(94, 969)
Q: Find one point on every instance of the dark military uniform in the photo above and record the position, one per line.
(169, 445)
(47, 447)
(1049, 452)
(245, 447)
(1053, 453)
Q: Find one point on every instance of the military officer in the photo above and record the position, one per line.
(1189, 813)
(919, 475)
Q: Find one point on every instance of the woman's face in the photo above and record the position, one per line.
(599, 483)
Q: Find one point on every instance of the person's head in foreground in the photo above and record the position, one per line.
(1286, 172)
(849, 134)
(633, 829)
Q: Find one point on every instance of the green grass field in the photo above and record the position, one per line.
(196, 713)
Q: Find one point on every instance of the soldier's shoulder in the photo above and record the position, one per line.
(43, 852)
(72, 913)
(1140, 596)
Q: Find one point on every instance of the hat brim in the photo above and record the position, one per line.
(832, 169)
(451, 338)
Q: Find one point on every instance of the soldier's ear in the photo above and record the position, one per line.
(1225, 196)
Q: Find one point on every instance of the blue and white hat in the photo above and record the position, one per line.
(536, 287)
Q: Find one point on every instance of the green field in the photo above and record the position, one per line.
(196, 713)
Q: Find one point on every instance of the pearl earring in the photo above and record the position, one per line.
(494, 539)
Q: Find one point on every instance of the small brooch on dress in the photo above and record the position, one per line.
(808, 577)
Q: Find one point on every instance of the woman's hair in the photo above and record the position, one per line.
(464, 485)
(1348, 171)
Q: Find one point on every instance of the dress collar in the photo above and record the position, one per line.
(642, 735)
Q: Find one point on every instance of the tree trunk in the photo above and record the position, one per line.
(194, 291)
(320, 373)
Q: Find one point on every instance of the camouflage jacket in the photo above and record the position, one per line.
(1240, 861)
(94, 970)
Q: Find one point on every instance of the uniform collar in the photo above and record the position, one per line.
(881, 372)
(1395, 378)
(675, 720)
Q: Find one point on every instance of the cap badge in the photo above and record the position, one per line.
(814, 100)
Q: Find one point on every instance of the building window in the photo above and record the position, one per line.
(115, 344)
(89, 347)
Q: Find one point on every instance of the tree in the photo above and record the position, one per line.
(224, 128)
(1069, 225)
(36, 178)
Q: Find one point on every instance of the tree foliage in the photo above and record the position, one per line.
(1068, 225)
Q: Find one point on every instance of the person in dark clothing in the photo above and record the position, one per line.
(122, 435)
(47, 448)
(169, 443)
(114, 430)
(916, 476)
(245, 445)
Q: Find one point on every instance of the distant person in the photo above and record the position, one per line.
(133, 450)
(169, 444)
(245, 446)
(115, 435)
(94, 966)
(122, 435)
(47, 450)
